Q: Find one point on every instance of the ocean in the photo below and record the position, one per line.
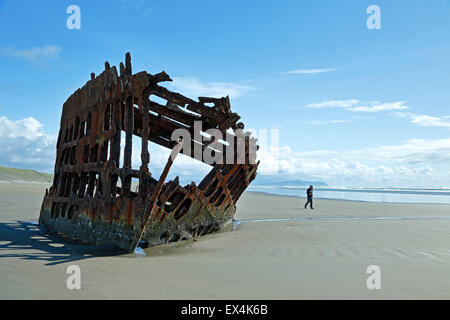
(391, 194)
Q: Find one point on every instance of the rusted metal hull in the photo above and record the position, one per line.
(91, 199)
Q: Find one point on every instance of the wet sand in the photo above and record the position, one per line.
(324, 257)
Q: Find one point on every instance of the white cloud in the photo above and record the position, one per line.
(414, 151)
(425, 120)
(145, 7)
(377, 107)
(193, 87)
(326, 122)
(334, 104)
(24, 144)
(35, 54)
(39, 56)
(311, 71)
(358, 106)
(414, 162)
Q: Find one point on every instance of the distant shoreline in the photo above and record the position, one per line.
(344, 200)
(267, 192)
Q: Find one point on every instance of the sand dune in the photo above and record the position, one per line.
(307, 259)
(23, 175)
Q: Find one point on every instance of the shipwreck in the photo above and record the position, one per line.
(92, 199)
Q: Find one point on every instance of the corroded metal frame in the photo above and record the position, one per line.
(91, 198)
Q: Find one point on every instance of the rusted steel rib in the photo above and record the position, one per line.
(91, 198)
(159, 186)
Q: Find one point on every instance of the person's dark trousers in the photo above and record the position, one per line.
(310, 201)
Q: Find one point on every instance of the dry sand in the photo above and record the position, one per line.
(312, 259)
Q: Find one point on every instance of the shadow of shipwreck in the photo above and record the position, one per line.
(27, 240)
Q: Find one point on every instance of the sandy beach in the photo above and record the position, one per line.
(324, 257)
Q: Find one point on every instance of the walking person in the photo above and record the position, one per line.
(309, 195)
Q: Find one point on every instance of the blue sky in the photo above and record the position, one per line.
(353, 106)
